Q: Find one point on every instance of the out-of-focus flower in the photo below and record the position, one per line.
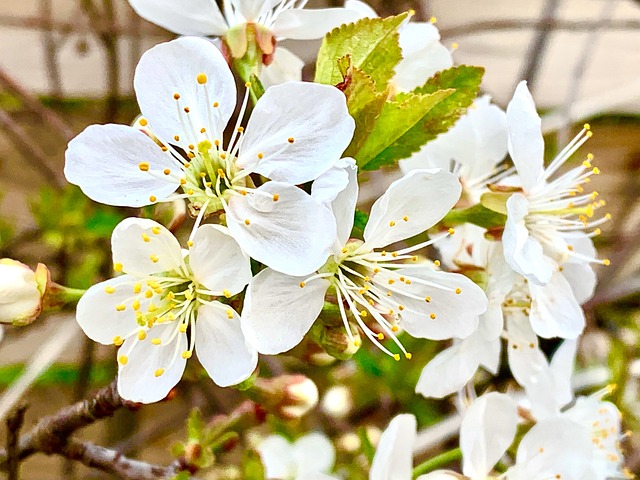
(390, 288)
(21, 291)
(249, 27)
(187, 94)
(288, 396)
(167, 306)
(310, 457)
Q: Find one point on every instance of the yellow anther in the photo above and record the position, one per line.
(596, 171)
(191, 146)
(608, 216)
(391, 281)
(201, 78)
(405, 218)
(221, 172)
(154, 258)
(190, 243)
(143, 122)
(432, 316)
(216, 105)
(589, 134)
(356, 343)
(156, 341)
(176, 96)
(433, 20)
(136, 305)
(276, 197)
(606, 262)
(570, 248)
(396, 357)
(123, 359)
(401, 307)
(586, 126)
(226, 293)
(145, 237)
(176, 138)
(414, 258)
(166, 171)
(109, 289)
(376, 270)
(142, 335)
(152, 307)
(344, 250)
(437, 263)
(183, 181)
(121, 307)
(144, 166)
(291, 140)
(223, 156)
(152, 198)
(586, 164)
(117, 341)
(183, 328)
(364, 313)
(247, 221)
(164, 149)
(392, 223)
(458, 291)
(454, 46)
(427, 299)
(148, 293)
(248, 84)
(156, 230)
(240, 129)
(302, 284)
(229, 314)
(395, 328)
(186, 354)
(380, 336)
(597, 231)
(137, 288)
(589, 156)
(408, 356)
(191, 156)
(203, 130)
(451, 231)
(186, 109)
(159, 372)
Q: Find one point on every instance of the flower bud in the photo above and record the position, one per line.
(288, 396)
(337, 402)
(335, 340)
(21, 291)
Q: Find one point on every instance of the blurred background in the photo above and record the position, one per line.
(66, 64)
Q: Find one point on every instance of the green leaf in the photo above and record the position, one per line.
(478, 215)
(373, 45)
(364, 101)
(360, 222)
(252, 466)
(393, 136)
(462, 84)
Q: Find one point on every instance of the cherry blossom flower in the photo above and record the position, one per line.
(167, 306)
(549, 215)
(471, 149)
(390, 288)
(187, 95)
(310, 457)
(269, 21)
(21, 291)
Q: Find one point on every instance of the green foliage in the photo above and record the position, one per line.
(372, 44)
(252, 468)
(360, 222)
(478, 215)
(58, 374)
(413, 119)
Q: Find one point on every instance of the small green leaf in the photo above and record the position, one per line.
(195, 425)
(364, 101)
(252, 466)
(397, 132)
(373, 45)
(478, 215)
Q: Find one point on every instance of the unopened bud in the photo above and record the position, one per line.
(21, 291)
(335, 340)
(337, 402)
(288, 396)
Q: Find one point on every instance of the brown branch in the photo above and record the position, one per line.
(520, 24)
(47, 115)
(31, 152)
(51, 50)
(14, 424)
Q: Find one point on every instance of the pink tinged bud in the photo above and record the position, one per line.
(302, 396)
(21, 291)
(287, 396)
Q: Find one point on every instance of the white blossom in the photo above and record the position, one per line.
(21, 291)
(167, 306)
(390, 288)
(310, 457)
(187, 95)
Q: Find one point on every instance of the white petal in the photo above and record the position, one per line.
(313, 453)
(362, 8)
(138, 380)
(314, 117)
(553, 448)
(189, 17)
(338, 189)
(578, 273)
(141, 251)
(309, 24)
(293, 235)
(276, 454)
(217, 261)
(423, 196)
(521, 250)
(526, 145)
(394, 455)
(221, 347)
(455, 315)
(278, 313)
(97, 315)
(487, 430)
(554, 309)
(562, 371)
(526, 361)
(104, 161)
(285, 67)
(252, 9)
(440, 475)
(174, 67)
(423, 55)
(451, 369)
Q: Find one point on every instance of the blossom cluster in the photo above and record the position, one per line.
(274, 251)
